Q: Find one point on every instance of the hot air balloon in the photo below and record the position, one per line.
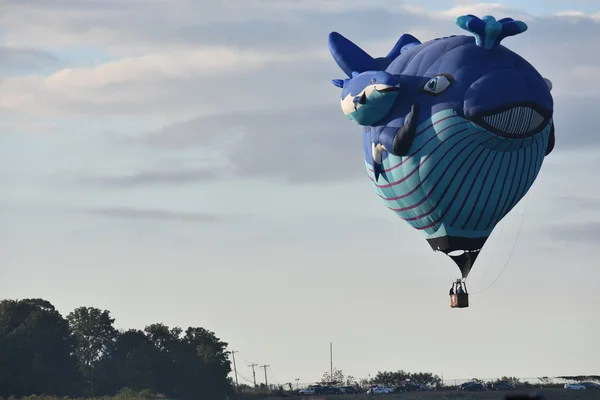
(455, 130)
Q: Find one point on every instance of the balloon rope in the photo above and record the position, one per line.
(513, 248)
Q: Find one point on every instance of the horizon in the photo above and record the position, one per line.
(144, 174)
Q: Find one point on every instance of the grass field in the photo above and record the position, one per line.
(549, 394)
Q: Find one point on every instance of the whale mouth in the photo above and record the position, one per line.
(388, 89)
(517, 121)
(353, 102)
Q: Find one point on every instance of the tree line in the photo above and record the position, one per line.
(389, 378)
(84, 355)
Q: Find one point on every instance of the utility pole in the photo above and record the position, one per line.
(253, 372)
(330, 361)
(266, 382)
(234, 366)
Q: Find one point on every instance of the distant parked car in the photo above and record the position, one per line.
(464, 385)
(502, 386)
(400, 389)
(574, 386)
(329, 390)
(348, 390)
(312, 390)
(474, 387)
(380, 389)
(591, 385)
(412, 387)
(309, 391)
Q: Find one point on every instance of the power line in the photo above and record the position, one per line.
(277, 381)
(244, 378)
(244, 360)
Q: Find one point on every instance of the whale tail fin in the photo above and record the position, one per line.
(488, 32)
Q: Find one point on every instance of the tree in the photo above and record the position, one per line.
(351, 380)
(401, 377)
(189, 366)
(208, 347)
(425, 378)
(212, 358)
(95, 338)
(132, 364)
(580, 378)
(390, 378)
(163, 337)
(513, 380)
(36, 350)
(168, 359)
(336, 378)
(42, 353)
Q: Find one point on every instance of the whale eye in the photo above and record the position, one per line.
(373, 80)
(438, 84)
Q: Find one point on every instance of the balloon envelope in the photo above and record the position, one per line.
(455, 130)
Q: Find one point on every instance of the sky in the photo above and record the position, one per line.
(183, 162)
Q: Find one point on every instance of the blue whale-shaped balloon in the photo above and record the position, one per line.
(455, 129)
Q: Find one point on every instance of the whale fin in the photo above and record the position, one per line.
(340, 82)
(402, 45)
(348, 56)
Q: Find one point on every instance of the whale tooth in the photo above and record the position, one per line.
(377, 150)
(377, 164)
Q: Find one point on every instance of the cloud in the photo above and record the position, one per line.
(149, 214)
(24, 60)
(301, 145)
(251, 88)
(313, 144)
(577, 233)
(177, 62)
(578, 15)
(152, 177)
(578, 203)
(161, 82)
(496, 9)
(575, 122)
(138, 26)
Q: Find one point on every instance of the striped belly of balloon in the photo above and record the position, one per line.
(459, 176)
